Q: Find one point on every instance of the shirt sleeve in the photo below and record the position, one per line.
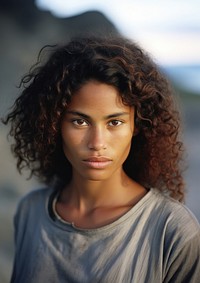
(13, 275)
(19, 227)
(184, 267)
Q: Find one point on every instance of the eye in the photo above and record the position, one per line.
(115, 123)
(79, 122)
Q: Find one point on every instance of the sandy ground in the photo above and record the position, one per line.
(13, 186)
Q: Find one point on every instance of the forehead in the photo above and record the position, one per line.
(97, 96)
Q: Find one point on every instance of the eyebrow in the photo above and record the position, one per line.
(114, 115)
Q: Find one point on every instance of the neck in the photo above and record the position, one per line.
(86, 195)
(92, 204)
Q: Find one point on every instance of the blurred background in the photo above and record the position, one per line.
(168, 29)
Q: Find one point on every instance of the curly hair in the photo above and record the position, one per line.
(155, 158)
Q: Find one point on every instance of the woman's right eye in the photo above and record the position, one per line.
(79, 122)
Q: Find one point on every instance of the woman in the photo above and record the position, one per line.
(98, 124)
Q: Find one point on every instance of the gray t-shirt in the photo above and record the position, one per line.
(157, 240)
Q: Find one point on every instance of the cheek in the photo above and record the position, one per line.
(125, 137)
(71, 140)
(123, 145)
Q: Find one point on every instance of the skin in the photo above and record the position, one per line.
(97, 130)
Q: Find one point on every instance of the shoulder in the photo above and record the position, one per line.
(35, 196)
(175, 211)
(171, 207)
(175, 218)
(32, 202)
(179, 234)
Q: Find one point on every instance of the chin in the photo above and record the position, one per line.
(97, 176)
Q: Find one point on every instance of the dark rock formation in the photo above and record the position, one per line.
(24, 29)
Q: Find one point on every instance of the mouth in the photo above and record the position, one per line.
(97, 162)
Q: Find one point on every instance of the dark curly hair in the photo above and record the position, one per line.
(155, 159)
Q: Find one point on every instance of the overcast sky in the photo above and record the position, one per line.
(168, 29)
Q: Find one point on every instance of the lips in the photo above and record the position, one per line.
(97, 162)
(97, 159)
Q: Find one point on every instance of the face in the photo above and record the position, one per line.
(96, 131)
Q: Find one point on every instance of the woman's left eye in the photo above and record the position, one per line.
(115, 123)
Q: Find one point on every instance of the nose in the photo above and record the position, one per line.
(97, 139)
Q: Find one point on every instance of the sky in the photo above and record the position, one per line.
(168, 29)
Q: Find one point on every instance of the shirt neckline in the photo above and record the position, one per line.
(64, 225)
